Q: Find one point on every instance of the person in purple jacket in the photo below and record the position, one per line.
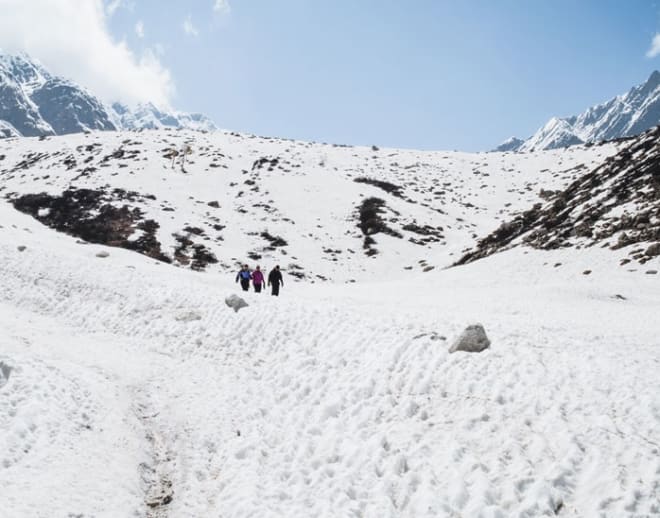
(257, 279)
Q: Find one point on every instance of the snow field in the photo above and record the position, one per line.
(65, 425)
(329, 401)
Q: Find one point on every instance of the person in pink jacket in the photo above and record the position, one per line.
(257, 279)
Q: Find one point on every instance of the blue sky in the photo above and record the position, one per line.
(423, 74)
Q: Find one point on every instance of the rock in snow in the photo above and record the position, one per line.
(653, 250)
(235, 302)
(472, 340)
(5, 371)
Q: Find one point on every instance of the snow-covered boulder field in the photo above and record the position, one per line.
(128, 387)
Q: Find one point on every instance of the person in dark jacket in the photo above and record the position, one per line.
(244, 276)
(257, 279)
(275, 280)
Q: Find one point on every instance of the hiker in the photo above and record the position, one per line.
(275, 279)
(244, 276)
(257, 279)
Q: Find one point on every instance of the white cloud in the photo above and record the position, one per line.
(71, 39)
(222, 6)
(189, 28)
(654, 50)
(139, 29)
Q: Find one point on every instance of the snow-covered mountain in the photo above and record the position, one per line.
(33, 102)
(129, 388)
(149, 116)
(626, 115)
(510, 144)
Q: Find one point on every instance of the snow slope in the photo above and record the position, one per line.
(333, 401)
(128, 388)
(232, 189)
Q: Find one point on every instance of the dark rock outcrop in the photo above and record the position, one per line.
(388, 187)
(372, 222)
(89, 215)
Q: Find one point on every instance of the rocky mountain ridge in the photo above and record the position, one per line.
(625, 115)
(36, 103)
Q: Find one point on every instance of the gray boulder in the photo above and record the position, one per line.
(473, 340)
(653, 250)
(235, 302)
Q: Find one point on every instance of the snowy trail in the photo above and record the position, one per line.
(329, 401)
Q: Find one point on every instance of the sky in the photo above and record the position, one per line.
(426, 74)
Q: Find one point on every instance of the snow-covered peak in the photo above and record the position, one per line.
(510, 144)
(29, 73)
(557, 133)
(625, 115)
(652, 82)
(149, 116)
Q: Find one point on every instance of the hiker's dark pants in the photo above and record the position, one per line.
(257, 288)
(245, 284)
(275, 289)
